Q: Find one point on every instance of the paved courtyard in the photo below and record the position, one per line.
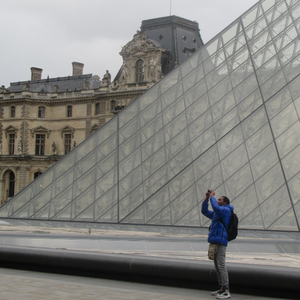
(279, 251)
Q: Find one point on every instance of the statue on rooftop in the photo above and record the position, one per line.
(106, 80)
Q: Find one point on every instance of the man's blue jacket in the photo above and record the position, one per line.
(217, 233)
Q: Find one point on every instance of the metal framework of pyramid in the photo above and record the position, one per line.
(227, 119)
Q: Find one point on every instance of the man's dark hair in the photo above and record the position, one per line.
(226, 200)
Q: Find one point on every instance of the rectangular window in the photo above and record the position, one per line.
(140, 70)
(97, 108)
(12, 111)
(11, 144)
(67, 143)
(40, 144)
(69, 111)
(41, 113)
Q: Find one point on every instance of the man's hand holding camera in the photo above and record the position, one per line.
(208, 194)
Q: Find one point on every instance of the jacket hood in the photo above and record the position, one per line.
(230, 206)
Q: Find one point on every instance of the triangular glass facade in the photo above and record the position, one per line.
(227, 118)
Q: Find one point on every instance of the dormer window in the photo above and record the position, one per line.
(140, 69)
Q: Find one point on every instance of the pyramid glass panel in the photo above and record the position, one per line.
(106, 203)
(191, 218)
(226, 119)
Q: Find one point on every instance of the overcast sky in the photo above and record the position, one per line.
(52, 34)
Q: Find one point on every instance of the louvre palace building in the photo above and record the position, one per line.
(222, 116)
(41, 120)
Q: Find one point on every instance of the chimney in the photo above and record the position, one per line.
(36, 73)
(77, 68)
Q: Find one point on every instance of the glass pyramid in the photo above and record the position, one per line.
(227, 119)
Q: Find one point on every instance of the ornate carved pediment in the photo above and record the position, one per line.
(10, 130)
(67, 129)
(40, 129)
(139, 43)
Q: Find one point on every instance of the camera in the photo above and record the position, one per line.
(209, 191)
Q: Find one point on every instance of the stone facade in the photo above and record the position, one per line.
(24, 153)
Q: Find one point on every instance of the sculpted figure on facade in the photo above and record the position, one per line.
(106, 80)
(152, 69)
(125, 72)
(3, 89)
(53, 148)
(19, 148)
(115, 85)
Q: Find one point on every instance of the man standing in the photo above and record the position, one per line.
(220, 215)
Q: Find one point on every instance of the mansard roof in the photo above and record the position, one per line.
(54, 85)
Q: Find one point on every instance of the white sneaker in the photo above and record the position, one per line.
(218, 292)
(224, 295)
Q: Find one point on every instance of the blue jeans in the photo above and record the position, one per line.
(220, 266)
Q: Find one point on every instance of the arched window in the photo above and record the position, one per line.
(36, 174)
(11, 184)
(139, 70)
(69, 111)
(41, 112)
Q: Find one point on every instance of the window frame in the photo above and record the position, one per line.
(11, 184)
(67, 142)
(113, 105)
(12, 111)
(41, 112)
(140, 70)
(40, 142)
(97, 108)
(11, 143)
(69, 111)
